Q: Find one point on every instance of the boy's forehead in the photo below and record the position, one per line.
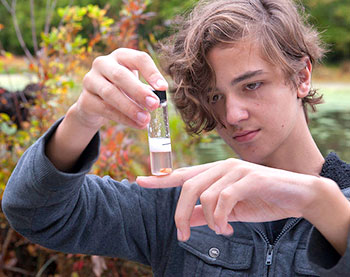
(239, 62)
(243, 54)
(245, 47)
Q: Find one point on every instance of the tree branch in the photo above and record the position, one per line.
(49, 11)
(18, 270)
(4, 250)
(6, 242)
(43, 268)
(32, 19)
(7, 6)
(18, 32)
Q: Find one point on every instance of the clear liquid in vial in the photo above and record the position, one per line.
(160, 150)
(161, 163)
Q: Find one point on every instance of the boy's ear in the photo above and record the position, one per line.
(304, 75)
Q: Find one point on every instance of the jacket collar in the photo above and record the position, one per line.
(337, 170)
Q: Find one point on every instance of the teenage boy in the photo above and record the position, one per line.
(244, 68)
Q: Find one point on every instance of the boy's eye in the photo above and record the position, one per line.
(253, 86)
(215, 98)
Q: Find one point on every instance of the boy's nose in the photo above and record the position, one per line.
(235, 111)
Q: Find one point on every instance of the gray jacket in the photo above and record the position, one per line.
(80, 213)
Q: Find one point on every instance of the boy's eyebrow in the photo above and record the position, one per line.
(246, 75)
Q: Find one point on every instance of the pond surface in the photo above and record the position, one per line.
(331, 131)
(330, 127)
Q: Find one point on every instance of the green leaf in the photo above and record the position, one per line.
(62, 11)
(4, 117)
(8, 130)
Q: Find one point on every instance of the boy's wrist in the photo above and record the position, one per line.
(85, 123)
(321, 189)
(69, 141)
(329, 212)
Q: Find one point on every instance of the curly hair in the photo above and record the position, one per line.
(278, 26)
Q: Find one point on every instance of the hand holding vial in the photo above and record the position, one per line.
(111, 91)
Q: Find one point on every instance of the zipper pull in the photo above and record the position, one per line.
(269, 255)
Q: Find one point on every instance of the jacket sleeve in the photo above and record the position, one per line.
(81, 213)
(323, 257)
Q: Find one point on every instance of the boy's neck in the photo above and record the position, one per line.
(303, 157)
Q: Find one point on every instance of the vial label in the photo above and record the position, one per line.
(159, 144)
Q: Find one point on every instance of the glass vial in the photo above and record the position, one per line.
(159, 138)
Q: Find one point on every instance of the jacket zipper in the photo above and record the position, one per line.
(269, 255)
(270, 250)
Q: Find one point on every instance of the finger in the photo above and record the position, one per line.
(117, 99)
(94, 104)
(141, 61)
(227, 200)
(192, 190)
(177, 178)
(126, 81)
(210, 196)
(198, 218)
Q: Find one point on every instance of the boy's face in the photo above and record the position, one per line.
(259, 109)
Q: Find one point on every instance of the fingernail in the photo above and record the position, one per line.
(229, 231)
(217, 229)
(151, 102)
(161, 83)
(179, 235)
(139, 178)
(228, 235)
(141, 117)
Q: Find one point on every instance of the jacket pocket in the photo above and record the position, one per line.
(301, 264)
(208, 254)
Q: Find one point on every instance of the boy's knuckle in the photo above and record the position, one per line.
(189, 187)
(117, 73)
(105, 92)
(225, 195)
(143, 57)
(87, 80)
(98, 61)
(206, 197)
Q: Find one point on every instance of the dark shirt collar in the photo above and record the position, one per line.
(337, 170)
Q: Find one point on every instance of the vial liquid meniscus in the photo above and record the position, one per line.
(159, 138)
(160, 151)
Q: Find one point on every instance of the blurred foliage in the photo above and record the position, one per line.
(331, 17)
(8, 36)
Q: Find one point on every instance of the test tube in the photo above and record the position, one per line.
(159, 138)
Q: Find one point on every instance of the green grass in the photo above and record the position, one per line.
(336, 96)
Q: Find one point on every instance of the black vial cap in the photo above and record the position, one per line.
(161, 95)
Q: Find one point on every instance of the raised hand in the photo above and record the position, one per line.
(235, 190)
(113, 91)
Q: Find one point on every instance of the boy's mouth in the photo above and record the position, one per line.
(245, 136)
